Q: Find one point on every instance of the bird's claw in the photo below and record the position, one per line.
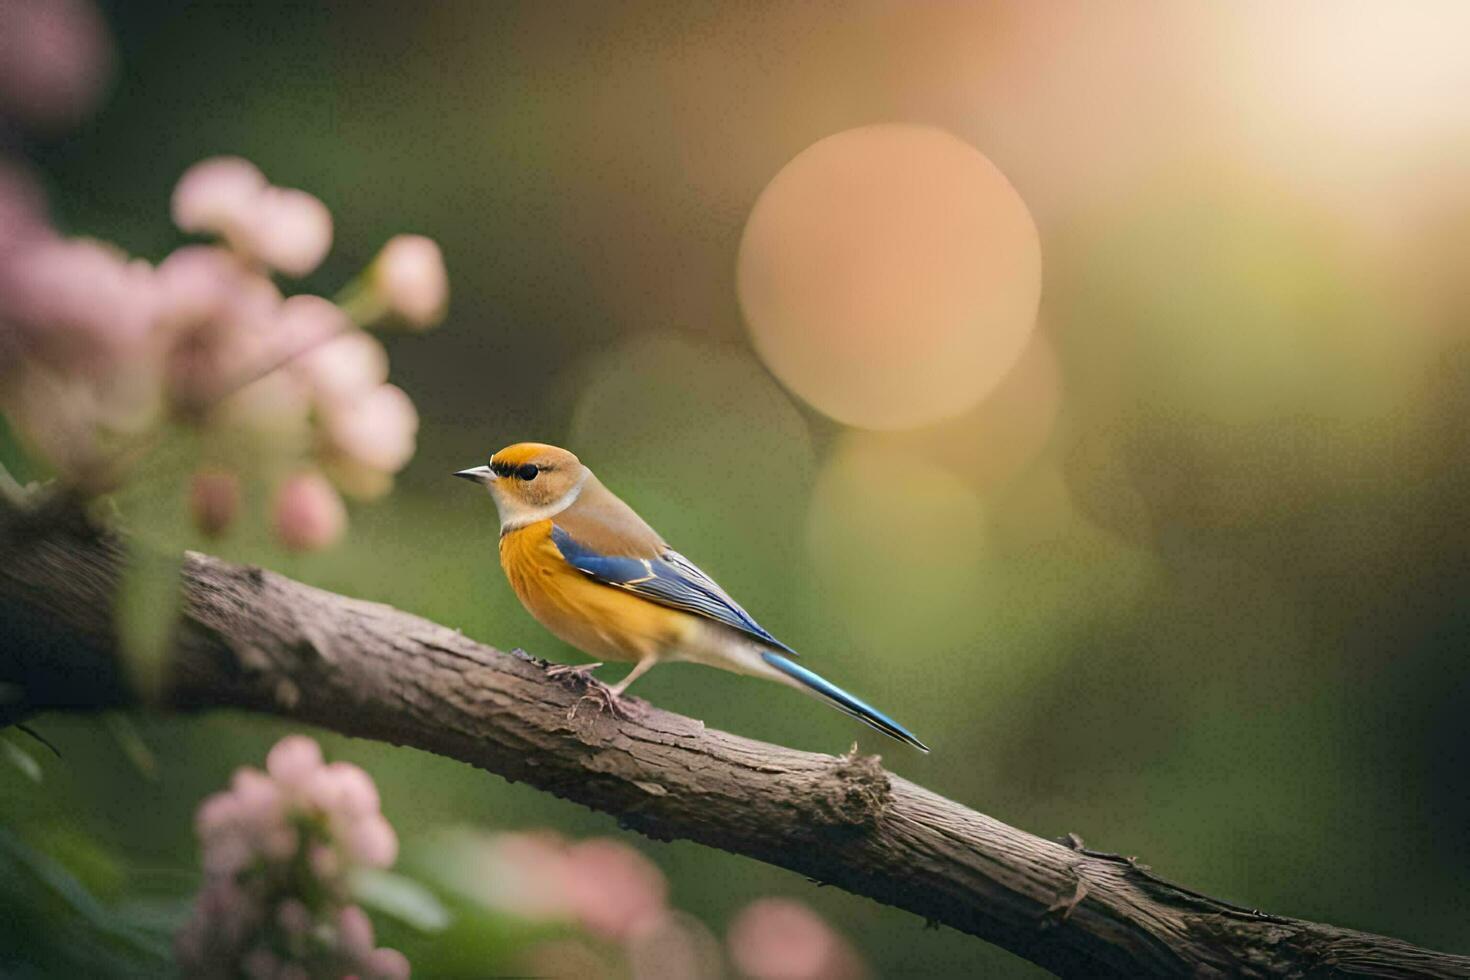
(605, 699)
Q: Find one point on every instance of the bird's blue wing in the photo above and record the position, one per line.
(669, 579)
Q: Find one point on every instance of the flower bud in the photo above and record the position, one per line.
(370, 841)
(309, 515)
(290, 230)
(344, 367)
(376, 428)
(218, 196)
(354, 932)
(293, 759)
(386, 964)
(357, 796)
(782, 939)
(615, 890)
(409, 279)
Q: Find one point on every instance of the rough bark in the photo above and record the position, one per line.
(255, 640)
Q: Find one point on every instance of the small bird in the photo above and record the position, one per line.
(598, 577)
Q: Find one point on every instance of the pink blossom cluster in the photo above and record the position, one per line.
(100, 351)
(619, 899)
(278, 847)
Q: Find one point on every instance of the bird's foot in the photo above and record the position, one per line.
(606, 699)
(584, 671)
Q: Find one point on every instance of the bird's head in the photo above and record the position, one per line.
(529, 482)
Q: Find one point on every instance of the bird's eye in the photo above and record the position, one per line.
(528, 472)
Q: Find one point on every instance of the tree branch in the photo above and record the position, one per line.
(255, 640)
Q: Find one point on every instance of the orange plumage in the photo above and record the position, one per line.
(605, 622)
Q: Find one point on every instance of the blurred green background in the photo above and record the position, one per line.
(1191, 583)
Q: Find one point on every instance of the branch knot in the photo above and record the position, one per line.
(853, 793)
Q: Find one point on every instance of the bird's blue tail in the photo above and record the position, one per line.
(842, 701)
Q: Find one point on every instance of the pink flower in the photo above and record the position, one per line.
(214, 500)
(289, 230)
(279, 842)
(354, 932)
(255, 336)
(782, 939)
(195, 284)
(221, 323)
(227, 853)
(309, 514)
(371, 842)
(679, 946)
(615, 891)
(265, 910)
(376, 428)
(258, 797)
(79, 305)
(55, 60)
(292, 760)
(306, 324)
(341, 369)
(217, 814)
(218, 196)
(409, 278)
(356, 794)
(386, 964)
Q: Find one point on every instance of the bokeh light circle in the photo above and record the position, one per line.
(890, 276)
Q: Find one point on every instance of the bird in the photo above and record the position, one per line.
(597, 576)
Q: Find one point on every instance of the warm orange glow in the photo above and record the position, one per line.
(890, 276)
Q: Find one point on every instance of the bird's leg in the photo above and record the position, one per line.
(639, 669)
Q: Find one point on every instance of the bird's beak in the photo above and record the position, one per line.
(480, 474)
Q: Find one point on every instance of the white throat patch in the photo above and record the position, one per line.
(520, 515)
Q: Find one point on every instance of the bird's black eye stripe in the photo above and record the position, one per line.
(527, 471)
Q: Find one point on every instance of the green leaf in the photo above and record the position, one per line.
(21, 759)
(401, 897)
(46, 872)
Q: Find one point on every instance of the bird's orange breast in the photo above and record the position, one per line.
(606, 622)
